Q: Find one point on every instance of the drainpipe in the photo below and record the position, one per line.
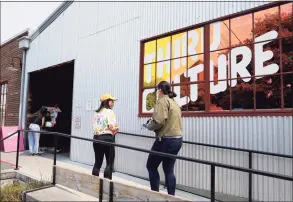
(21, 89)
(24, 103)
(24, 44)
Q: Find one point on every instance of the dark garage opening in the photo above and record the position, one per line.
(54, 85)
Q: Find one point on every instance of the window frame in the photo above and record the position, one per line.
(3, 114)
(206, 55)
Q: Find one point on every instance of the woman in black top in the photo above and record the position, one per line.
(34, 135)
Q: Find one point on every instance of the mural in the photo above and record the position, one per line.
(250, 64)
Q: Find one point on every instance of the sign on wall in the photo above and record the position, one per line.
(247, 65)
(77, 122)
(78, 104)
(89, 105)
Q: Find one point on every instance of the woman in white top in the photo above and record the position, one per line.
(105, 128)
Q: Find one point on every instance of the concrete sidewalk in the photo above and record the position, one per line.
(40, 167)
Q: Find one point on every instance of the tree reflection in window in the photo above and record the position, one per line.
(268, 92)
(287, 90)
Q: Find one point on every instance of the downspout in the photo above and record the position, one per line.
(21, 91)
(24, 44)
(25, 100)
(24, 107)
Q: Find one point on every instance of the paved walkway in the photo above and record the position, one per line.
(40, 167)
(5, 166)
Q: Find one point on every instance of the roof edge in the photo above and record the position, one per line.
(24, 32)
(58, 11)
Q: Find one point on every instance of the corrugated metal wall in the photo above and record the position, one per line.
(103, 38)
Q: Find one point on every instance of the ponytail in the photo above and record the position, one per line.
(172, 94)
(166, 89)
(104, 104)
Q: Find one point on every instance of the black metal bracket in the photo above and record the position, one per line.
(111, 190)
(101, 191)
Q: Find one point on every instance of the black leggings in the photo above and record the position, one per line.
(101, 150)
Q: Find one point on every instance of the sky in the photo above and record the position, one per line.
(18, 16)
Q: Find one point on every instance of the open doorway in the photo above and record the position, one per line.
(48, 87)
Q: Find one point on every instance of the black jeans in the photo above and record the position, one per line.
(101, 150)
(166, 145)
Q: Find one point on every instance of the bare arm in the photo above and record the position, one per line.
(43, 122)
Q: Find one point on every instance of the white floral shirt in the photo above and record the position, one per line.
(102, 120)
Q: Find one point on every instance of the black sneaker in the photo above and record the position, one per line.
(39, 154)
(32, 154)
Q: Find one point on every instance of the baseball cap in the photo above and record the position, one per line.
(107, 96)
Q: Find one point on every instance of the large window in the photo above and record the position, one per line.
(3, 92)
(239, 65)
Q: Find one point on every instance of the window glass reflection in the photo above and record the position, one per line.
(219, 35)
(241, 62)
(164, 49)
(196, 68)
(148, 100)
(179, 70)
(221, 100)
(242, 95)
(271, 65)
(196, 95)
(266, 21)
(286, 20)
(268, 92)
(183, 96)
(179, 45)
(196, 41)
(287, 90)
(287, 54)
(163, 72)
(241, 30)
(219, 63)
(149, 75)
(150, 52)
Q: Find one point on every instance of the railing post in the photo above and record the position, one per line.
(101, 191)
(55, 158)
(250, 178)
(213, 183)
(111, 162)
(17, 150)
(111, 192)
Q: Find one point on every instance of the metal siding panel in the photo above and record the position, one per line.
(57, 43)
(31, 58)
(69, 35)
(106, 56)
(50, 44)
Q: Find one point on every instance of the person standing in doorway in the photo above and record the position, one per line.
(166, 122)
(34, 135)
(105, 128)
(54, 113)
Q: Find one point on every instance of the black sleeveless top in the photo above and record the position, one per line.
(38, 121)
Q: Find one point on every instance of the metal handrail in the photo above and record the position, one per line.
(8, 136)
(253, 171)
(212, 164)
(217, 146)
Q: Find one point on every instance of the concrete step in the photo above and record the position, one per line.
(57, 193)
(119, 190)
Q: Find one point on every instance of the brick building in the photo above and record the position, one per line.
(10, 80)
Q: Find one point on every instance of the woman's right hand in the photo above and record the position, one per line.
(114, 128)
